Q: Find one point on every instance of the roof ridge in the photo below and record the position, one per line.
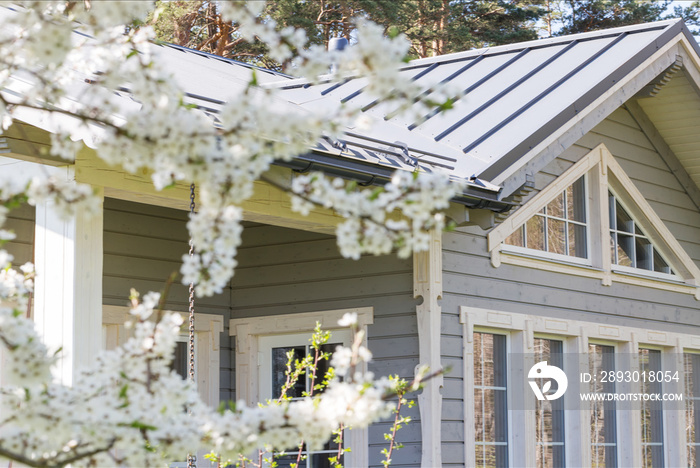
(545, 42)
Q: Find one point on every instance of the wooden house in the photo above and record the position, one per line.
(578, 232)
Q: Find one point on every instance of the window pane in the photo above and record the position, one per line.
(516, 238)
(490, 400)
(623, 220)
(652, 416)
(576, 201)
(556, 207)
(577, 241)
(625, 250)
(556, 236)
(660, 264)
(179, 363)
(603, 432)
(535, 232)
(279, 371)
(549, 415)
(643, 251)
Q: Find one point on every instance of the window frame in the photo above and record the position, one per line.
(564, 348)
(249, 330)
(577, 335)
(266, 343)
(207, 335)
(528, 251)
(509, 423)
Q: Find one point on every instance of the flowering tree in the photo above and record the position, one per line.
(127, 409)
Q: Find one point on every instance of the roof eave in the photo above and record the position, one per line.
(371, 174)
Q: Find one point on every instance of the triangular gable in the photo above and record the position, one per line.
(604, 174)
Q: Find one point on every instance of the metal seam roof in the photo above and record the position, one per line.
(514, 96)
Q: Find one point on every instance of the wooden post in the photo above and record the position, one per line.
(68, 287)
(427, 283)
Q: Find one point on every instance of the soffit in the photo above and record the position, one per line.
(675, 112)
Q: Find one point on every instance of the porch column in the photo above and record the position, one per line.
(68, 286)
(427, 283)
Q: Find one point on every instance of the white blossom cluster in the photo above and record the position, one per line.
(129, 408)
(399, 215)
(107, 87)
(113, 91)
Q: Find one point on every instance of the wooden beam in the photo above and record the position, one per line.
(68, 286)
(268, 204)
(427, 284)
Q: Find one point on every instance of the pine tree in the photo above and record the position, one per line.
(591, 15)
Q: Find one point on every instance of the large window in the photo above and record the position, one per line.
(603, 424)
(273, 375)
(490, 400)
(629, 246)
(560, 227)
(549, 416)
(692, 407)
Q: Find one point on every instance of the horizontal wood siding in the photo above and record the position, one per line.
(470, 279)
(21, 221)
(285, 271)
(143, 246)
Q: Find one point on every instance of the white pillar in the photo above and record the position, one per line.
(68, 287)
(427, 283)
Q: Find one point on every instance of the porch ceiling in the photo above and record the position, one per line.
(675, 112)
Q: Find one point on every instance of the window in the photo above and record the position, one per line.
(629, 246)
(273, 363)
(549, 414)
(207, 329)
(652, 415)
(592, 221)
(558, 228)
(692, 407)
(252, 334)
(490, 400)
(603, 424)
(180, 364)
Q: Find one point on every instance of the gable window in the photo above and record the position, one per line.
(559, 227)
(490, 400)
(593, 221)
(629, 246)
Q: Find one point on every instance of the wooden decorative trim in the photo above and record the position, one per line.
(518, 218)
(427, 284)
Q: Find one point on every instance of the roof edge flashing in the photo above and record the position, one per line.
(473, 196)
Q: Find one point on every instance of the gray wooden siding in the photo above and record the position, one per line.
(469, 279)
(143, 245)
(21, 221)
(285, 271)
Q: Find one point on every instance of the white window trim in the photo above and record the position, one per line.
(576, 335)
(208, 329)
(248, 332)
(603, 172)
